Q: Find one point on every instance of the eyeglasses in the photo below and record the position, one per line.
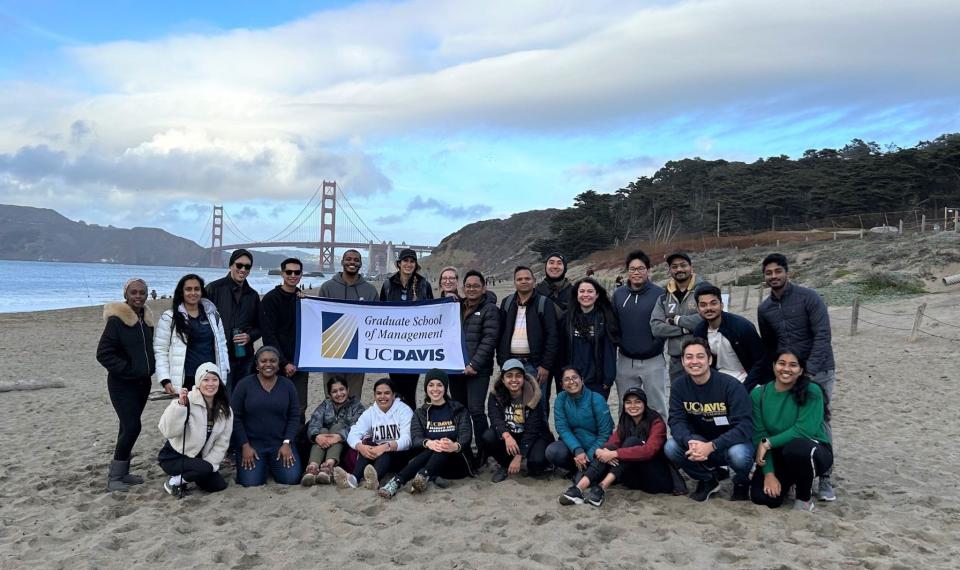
(246, 266)
(292, 271)
(448, 279)
(636, 269)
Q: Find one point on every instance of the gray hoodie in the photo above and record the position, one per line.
(337, 288)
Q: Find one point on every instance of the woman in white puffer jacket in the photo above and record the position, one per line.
(187, 335)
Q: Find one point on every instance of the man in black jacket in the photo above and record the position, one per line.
(239, 307)
(736, 346)
(529, 331)
(278, 321)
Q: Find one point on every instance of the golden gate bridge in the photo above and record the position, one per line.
(318, 226)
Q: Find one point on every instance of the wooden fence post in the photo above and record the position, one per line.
(730, 296)
(855, 315)
(914, 334)
(760, 298)
(746, 297)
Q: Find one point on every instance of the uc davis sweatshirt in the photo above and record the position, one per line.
(380, 426)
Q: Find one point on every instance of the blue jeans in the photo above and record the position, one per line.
(738, 457)
(268, 463)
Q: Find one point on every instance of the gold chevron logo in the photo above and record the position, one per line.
(338, 337)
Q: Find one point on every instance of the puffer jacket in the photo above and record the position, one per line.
(126, 345)
(481, 331)
(417, 289)
(196, 443)
(798, 320)
(686, 312)
(583, 421)
(328, 414)
(171, 351)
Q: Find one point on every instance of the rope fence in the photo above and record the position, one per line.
(915, 331)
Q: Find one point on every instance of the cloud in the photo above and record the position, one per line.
(431, 206)
(630, 167)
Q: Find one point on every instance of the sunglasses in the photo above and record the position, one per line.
(246, 266)
(292, 271)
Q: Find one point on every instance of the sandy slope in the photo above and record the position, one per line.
(895, 416)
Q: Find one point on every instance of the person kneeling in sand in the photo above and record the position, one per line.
(441, 431)
(197, 427)
(633, 456)
(518, 428)
(328, 429)
(381, 437)
(793, 445)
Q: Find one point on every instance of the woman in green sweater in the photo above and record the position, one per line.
(788, 429)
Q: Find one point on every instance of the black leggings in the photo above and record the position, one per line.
(651, 476)
(129, 398)
(391, 461)
(471, 391)
(192, 469)
(536, 455)
(446, 465)
(406, 387)
(796, 463)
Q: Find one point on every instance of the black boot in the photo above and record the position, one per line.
(118, 470)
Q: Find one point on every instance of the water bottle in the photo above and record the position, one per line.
(239, 350)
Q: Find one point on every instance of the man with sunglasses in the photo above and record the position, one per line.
(278, 321)
(239, 306)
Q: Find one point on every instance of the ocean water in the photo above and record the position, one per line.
(42, 285)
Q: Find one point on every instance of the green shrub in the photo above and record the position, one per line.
(890, 283)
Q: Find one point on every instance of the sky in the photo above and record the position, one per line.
(433, 114)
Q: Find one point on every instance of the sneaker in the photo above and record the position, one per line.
(420, 482)
(310, 477)
(499, 474)
(826, 492)
(171, 489)
(572, 496)
(390, 488)
(343, 479)
(595, 495)
(325, 476)
(721, 473)
(440, 482)
(807, 506)
(705, 489)
(370, 478)
(741, 492)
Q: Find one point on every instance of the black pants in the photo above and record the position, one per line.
(192, 469)
(446, 465)
(129, 398)
(300, 380)
(471, 391)
(406, 387)
(652, 476)
(796, 463)
(239, 368)
(390, 462)
(536, 455)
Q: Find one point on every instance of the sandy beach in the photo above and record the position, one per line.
(895, 421)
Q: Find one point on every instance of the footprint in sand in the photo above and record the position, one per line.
(542, 519)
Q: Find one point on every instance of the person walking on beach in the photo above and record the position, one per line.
(796, 318)
(239, 306)
(350, 285)
(640, 359)
(189, 333)
(278, 323)
(407, 285)
(736, 346)
(675, 315)
(125, 350)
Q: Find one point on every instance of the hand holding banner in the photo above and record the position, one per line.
(363, 336)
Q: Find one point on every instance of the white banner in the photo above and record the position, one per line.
(363, 336)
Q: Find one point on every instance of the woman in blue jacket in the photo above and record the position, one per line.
(583, 423)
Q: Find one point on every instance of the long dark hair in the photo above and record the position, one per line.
(800, 390)
(647, 418)
(179, 321)
(580, 322)
(221, 402)
(500, 391)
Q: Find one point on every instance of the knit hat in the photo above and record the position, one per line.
(562, 260)
(202, 371)
(238, 253)
(436, 374)
(635, 391)
(511, 364)
(131, 281)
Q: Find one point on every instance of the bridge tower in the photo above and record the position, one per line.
(216, 237)
(328, 226)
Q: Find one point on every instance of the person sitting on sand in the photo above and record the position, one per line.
(792, 445)
(381, 437)
(128, 329)
(266, 419)
(633, 456)
(518, 428)
(583, 423)
(197, 428)
(441, 431)
(328, 429)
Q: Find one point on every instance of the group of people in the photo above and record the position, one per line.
(700, 389)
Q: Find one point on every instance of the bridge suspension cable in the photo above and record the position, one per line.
(293, 225)
(232, 226)
(376, 238)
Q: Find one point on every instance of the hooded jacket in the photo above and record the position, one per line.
(328, 414)
(633, 308)
(380, 426)
(481, 329)
(535, 425)
(603, 354)
(126, 345)
(745, 341)
(686, 312)
(798, 320)
(171, 351)
(337, 288)
(278, 322)
(239, 307)
(417, 289)
(196, 443)
(542, 330)
(583, 421)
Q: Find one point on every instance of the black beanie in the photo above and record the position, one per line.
(562, 259)
(436, 374)
(238, 253)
